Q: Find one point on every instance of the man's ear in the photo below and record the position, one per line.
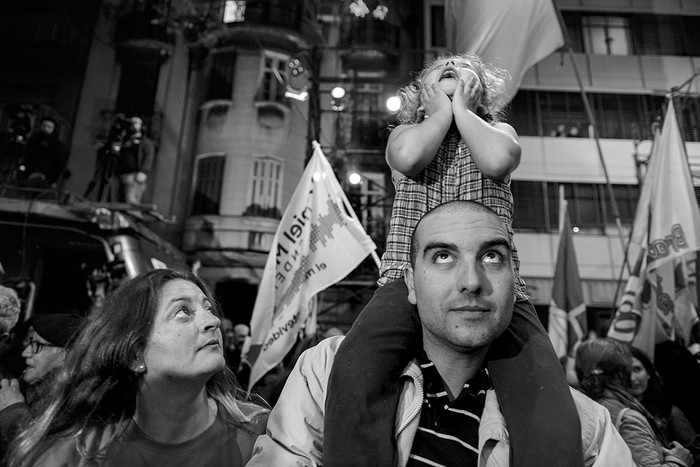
(408, 279)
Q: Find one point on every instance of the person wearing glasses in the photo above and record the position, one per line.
(146, 384)
(48, 340)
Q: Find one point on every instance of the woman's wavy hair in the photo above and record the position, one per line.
(601, 363)
(492, 98)
(606, 364)
(97, 386)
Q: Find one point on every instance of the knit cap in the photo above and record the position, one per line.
(57, 328)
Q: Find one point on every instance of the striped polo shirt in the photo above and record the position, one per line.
(448, 431)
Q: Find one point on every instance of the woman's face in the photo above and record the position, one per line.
(446, 73)
(639, 379)
(185, 342)
(40, 357)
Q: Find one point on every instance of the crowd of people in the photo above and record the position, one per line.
(33, 157)
(447, 365)
(31, 154)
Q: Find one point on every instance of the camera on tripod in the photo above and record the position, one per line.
(120, 132)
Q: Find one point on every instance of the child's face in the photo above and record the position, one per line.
(446, 73)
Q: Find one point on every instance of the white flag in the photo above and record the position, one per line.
(667, 228)
(318, 242)
(511, 34)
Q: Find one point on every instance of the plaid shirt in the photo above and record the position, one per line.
(451, 175)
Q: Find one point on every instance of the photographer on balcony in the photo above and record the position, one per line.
(134, 162)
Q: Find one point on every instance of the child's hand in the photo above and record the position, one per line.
(435, 100)
(468, 93)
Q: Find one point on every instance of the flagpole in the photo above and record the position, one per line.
(591, 120)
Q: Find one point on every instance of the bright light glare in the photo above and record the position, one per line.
(338, 92)
(576, 229)
(355, 178)
(393, 103)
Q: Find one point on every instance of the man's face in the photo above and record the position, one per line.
(227, 328)
(241, 333)
(462, 281)
(47, 127)
(41, 357)
(136, 124)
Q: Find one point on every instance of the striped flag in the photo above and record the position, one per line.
(568, 324)
(318, 242)
(667, 230)
(511, 34)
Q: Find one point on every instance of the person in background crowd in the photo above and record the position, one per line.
(560, 131)
(604, 368)
(461, 279)
(680, 372)
(48, 342)
(146, 384)
(574, 132)
(9, 315)
(646, 386)
(45, 158)
(134, 163)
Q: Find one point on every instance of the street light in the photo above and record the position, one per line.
(355, 178)
(393, 104)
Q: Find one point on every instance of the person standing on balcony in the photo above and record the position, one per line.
(46, 156)
(134, 163)
(450, 145)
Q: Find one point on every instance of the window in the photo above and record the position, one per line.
(207, 187)
(275, 77)
(265, 195)
(371, 203)
(647, 34)
(622, 116)
(223, 66)
(434, 29)
(137, 88)
(606, 35)
(234, 11)
(369, 125)
(537, 205)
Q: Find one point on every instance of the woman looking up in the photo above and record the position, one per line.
(146, 384)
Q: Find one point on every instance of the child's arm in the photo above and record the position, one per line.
(494, 148)
(411, 147)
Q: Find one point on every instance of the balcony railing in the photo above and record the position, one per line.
(142, 22)
(369, 33)
(281, 13)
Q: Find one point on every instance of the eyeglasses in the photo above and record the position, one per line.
(37, 347)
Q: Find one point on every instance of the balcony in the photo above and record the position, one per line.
(141, 23)
(275, 23)
(142, 34)
(370, 42)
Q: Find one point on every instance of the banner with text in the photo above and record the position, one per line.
(318, 242)
(666, 233)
